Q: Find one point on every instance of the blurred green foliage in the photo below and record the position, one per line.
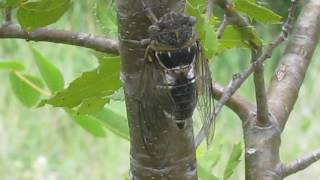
(46, 143)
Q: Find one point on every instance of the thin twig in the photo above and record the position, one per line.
(233, 16)
(239, 79)
(299, 164)
(222, 26)
(209, 8)
(260, 91)
(91, 41)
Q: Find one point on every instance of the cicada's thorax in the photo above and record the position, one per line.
(174, 52)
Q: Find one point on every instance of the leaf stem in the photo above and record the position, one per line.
(31, 84)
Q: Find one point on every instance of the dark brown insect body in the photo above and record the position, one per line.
(174, 51)
(176, 75)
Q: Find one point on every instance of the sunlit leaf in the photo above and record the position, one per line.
(11, 65)
(205, 174)
(12, 3)
(196, 7)
(92, 104)
(205, 27)
(114, 118)
(89, 123)
(210, 43)
(35, 14)
(233, 161)
(212, 156)
(93, 85)
(235, 37)
(50, 73)
(26, 88)
(257, 12)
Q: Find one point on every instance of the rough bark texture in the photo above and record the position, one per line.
(290, 73)
(262, 149)
(173, 151)
(263, 143)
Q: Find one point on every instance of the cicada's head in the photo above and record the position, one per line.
(173, 30)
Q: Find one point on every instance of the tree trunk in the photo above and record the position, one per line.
(170, 152)
(263, 143)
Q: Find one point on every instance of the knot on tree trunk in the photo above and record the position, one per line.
(262, 149)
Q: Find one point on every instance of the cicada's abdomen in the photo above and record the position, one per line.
(184, 98)
(180, 80)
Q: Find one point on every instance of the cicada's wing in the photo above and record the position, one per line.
(150, 111)
(205, 104)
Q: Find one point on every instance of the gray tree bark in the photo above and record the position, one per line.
(172, 152)
(263, 143)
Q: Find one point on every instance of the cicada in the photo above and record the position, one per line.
(176, 75)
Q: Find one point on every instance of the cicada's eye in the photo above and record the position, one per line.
(153, 29)
(192, 20)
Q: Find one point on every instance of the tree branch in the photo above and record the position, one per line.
(291, 70)
(237, 103)
(232, 15)
(239, 79)
(259, 82)
(209, 8)
(222, 26)
(299, 164)
(260, 90)
(98, 43)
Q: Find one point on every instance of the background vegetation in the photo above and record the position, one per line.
(46, 143)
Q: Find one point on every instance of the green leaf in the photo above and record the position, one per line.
(196, 7)
(114, 118)
(92, 104)
(235, 37)
(257, 12)
(50, 73)
(232, 38)
(95, 85)
(106, 17)
(210, 42)
(210, 159)
(205, 27)
(233, 161)
(26, 88)
(205, 174)
(11, 65)
(89, 123)
(32, 15)
(12, 3)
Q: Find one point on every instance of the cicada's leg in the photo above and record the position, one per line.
(147, 57)
(152, 17)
